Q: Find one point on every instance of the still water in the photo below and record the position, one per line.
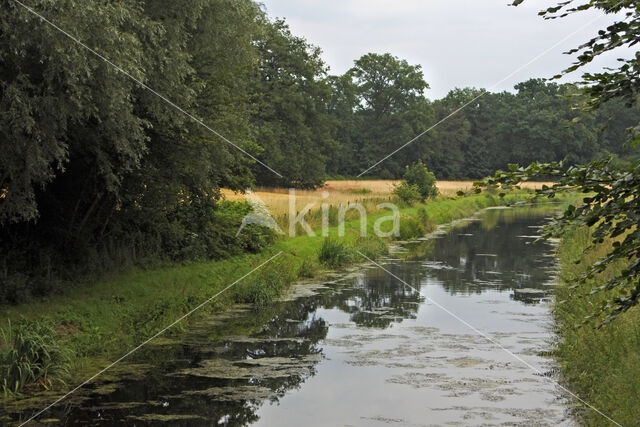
(362, 348)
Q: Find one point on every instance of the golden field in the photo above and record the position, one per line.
(349, 191)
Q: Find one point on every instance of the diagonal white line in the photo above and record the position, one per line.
(516, 71)
(159, 95)
(147, 341)
(491, 340)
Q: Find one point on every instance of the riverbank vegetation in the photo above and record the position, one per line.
(96, 322)
(602, 365)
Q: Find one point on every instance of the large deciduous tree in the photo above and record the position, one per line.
(390, 110)
(290, 119)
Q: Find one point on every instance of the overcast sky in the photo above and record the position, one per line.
(459, 43)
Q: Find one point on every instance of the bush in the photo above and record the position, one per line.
(30, 355)
(408, 193)
(192, 230)
(418, 175)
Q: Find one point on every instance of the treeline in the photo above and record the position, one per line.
(100, 168)
(379, 108)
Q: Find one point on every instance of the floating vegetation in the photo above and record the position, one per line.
(165, 417)
(232, 393)
(256, 369)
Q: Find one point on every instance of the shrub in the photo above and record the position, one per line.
(408, 193)
(30, 355)
(418, 175)
(194, 229)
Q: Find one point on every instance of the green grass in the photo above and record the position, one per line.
(102, 320)
(602, 366)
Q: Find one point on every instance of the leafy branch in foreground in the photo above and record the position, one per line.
(611, 206)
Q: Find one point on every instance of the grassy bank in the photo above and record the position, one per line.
(601, 365)
(95, 323)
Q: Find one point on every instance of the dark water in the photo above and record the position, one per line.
(363, 348)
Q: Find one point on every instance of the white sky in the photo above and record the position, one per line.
(459, 43)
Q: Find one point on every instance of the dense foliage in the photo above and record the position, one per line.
(98, 170)
(407, 193)
(418, 174)
(288, 100)
(418, 184)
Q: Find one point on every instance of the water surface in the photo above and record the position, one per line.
(362, 348)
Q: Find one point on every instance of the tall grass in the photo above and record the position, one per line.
(602, 365)
(372, 247)
(412, 226)
(31, 356)
(335, 253)
(267, 283)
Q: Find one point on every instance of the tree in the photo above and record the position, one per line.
(96, 169)
(391, 110)
(291, 122)
(537, 122)
(55, 96)
(453, 134)
(387, 84)
(342, 106)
